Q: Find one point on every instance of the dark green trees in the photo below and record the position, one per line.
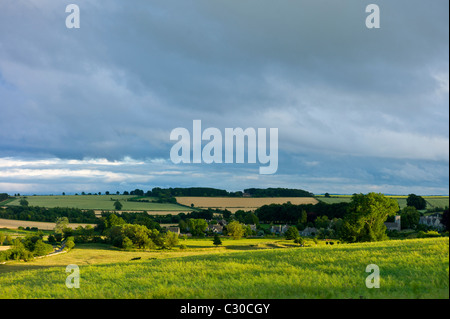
(366, 216)
(416, 201)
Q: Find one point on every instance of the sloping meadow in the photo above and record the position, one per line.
(416, 268)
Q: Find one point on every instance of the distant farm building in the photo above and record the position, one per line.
(308, 231)
(432, 221)
(396, 225)
(279, 229)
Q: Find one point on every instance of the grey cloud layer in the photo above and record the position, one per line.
(134, 71)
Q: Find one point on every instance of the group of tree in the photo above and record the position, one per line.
(366, 216)
(43, 214)
(299, 214)
(3, 196)
(110, 219)
(26, 248)
(246, 217)
(214, 192)
(416, 201)
(135, 231)
(277, 192)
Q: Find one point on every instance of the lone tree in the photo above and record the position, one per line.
(416, 201)
(366, 216)
(217, 240)
(292, 233)
(235, 229)
(23, 202)
(61, 223)
(118, 205)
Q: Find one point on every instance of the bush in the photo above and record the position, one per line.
(428, 234)
(217, 240)
(292, 233)
(299, 240)
(127, 243)
(69, 243)
(41, 248)
(170, 240)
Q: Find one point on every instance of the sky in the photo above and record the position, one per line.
(357, 110)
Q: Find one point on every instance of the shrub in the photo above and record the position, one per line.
(292, 233)
(299, 240)
(41, 248)
(127, 243)
(217, 240)
(430, 233)
(69, 243)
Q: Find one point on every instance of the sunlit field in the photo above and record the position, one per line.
(99, 202)
(263, 268)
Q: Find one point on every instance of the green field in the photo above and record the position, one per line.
(415, 268)
(432, 201)
(98, 202)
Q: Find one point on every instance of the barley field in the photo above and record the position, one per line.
(234, 204)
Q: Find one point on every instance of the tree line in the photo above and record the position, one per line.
(277, 192)
(43, 214)
(3, 196)
(214, 192)
(289, 213)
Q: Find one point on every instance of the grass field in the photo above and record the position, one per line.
(13, 224)
(432, 201)
(234, 204)
(99, 202)
(416, 268)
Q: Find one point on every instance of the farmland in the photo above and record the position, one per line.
(101, 202)
(13, 224)
(416, 268)
(234, 204)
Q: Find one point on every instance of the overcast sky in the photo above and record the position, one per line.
(357, 109)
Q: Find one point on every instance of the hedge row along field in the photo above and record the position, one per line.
(244, 203)
(97, 202)
(416, 268)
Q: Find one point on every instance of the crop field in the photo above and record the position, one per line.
(99, 202)
(13, 224)
(414, 268)
(437, 201)
(234, 204)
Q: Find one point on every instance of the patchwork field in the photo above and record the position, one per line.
(99, 202)
(234, 204)
(416, 268)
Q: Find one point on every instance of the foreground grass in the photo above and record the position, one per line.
(415, 268)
